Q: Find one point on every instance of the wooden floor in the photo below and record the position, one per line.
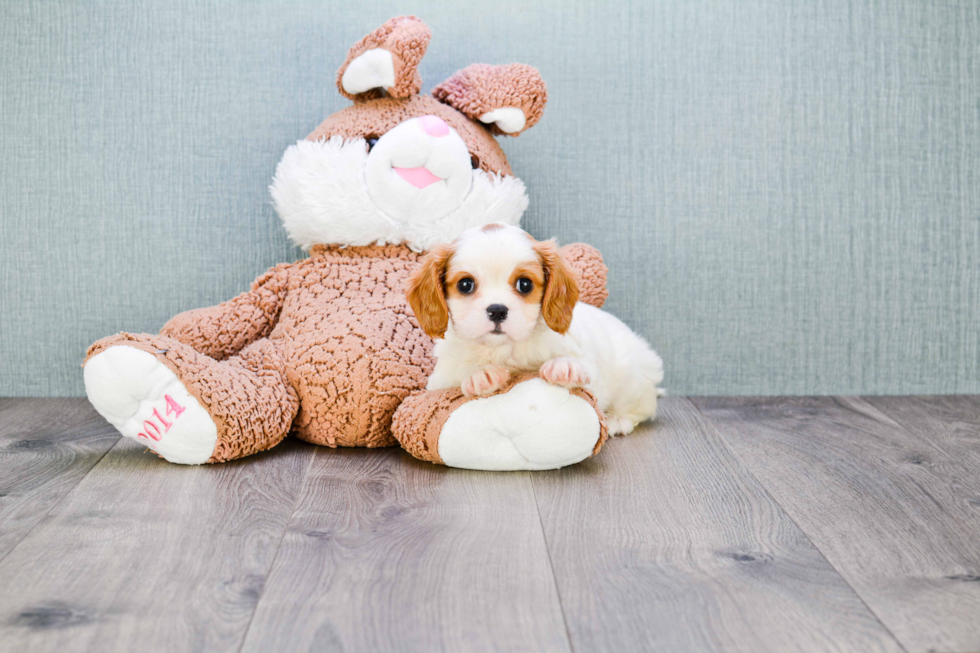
(731, 524)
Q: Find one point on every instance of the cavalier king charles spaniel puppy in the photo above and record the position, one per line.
(497, 301)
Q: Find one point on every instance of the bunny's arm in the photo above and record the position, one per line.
(222, 331)
(587, 261)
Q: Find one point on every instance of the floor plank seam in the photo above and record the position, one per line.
(551, 565)
(275, 556)
(789, 515)
(59, 501)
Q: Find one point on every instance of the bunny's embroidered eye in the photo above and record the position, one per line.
(371, 142)
(524, 285)
(475, 162)
(465, 286)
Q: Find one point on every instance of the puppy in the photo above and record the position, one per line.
(498, 302)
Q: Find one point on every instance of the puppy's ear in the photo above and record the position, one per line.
(560, 287)
(426, 294)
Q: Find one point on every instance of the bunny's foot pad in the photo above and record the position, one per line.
(529, 425)
(145, 401)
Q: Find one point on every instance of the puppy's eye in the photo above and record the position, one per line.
(371, 142)
(465, 286)
(524, 285)
(475, 162)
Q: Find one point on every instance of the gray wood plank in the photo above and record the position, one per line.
(890, 511)
(666, 542)
(387, 553)
(145, 555)
(949, 423)
(46, 447)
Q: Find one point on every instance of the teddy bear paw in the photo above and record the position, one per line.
(139, 395)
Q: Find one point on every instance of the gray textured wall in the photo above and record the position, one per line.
(787, 192)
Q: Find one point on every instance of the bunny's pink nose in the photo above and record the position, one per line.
(434, 126)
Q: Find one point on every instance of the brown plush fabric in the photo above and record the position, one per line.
(326, 346)
(480, 88)
(376, 117)
(358, 350)
(407, 39)
(419, 420)
(592, 272)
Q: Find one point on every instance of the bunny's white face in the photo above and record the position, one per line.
(411, 187)
(419, 171)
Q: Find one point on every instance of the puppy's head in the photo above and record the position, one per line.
(495, 283)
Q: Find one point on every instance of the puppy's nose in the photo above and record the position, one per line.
(497, 313)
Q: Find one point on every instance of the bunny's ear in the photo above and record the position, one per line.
(386, 61)
(509, 99)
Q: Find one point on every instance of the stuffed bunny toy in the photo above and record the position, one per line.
(327, 347)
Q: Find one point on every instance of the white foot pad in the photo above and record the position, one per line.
(535, 425)
(145, 401)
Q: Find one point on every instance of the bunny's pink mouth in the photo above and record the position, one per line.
(418, 177)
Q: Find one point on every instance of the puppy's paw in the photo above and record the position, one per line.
(619, 425)
(486, 381)
(565, 372)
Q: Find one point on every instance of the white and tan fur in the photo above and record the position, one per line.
(545, 329)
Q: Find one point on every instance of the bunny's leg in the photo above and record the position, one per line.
(529, 425)
(188, 407)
